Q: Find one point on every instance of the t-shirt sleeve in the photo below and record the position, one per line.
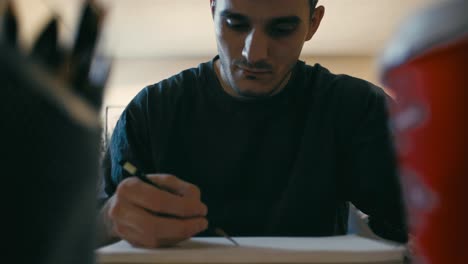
(143, 131)
(370, 178)
(129, 142)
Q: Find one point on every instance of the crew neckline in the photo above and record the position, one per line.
(228, 102)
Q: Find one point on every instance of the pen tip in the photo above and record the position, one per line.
(221, 232)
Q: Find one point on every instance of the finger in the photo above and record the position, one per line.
(159, 201)
(145, 229)
(127, 214)
(139, 239)
(166, 228)
(131, 235)
(169, 242)
(175, 185)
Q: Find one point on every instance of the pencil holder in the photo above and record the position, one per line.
(51, 135)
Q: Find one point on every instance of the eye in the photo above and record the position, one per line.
(282, 29)
(237, 25)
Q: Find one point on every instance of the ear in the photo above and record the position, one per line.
(213, 7)
(315, 21)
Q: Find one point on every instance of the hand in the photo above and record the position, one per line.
(149, 217)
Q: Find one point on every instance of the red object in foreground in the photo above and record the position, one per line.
(426, 66)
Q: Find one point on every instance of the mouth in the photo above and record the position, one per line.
(255, 72)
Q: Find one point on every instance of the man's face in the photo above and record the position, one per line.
(259, 42)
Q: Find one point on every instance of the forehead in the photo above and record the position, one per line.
(265, 9)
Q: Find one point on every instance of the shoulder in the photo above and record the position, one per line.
(342, 84)
(347, 102)
(176, 85)
(353, 92)
(169, 92)
(342, 90)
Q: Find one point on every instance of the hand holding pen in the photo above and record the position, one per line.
(152, 217)
(132, 170)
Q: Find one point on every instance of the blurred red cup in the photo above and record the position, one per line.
(426, 68)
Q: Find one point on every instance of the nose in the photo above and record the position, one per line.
(255, 46)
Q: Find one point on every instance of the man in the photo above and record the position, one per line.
(254, 142)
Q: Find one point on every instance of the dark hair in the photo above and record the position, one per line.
(313, 4)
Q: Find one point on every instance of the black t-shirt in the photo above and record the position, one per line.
(282, 166)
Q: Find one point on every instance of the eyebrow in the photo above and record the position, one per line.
(230, 14)
(287, 19)
(276, 20)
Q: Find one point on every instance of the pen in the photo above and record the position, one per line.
(133, 170)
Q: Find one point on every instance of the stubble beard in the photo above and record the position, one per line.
(229, 85)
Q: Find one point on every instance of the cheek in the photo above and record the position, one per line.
(229, 43)
(287, 52)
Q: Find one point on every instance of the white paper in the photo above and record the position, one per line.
(337, 249)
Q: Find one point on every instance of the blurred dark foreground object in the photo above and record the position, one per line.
(426, 66)
(50, 132)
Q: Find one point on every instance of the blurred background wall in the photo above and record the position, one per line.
(130, 75)
(154, 39)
